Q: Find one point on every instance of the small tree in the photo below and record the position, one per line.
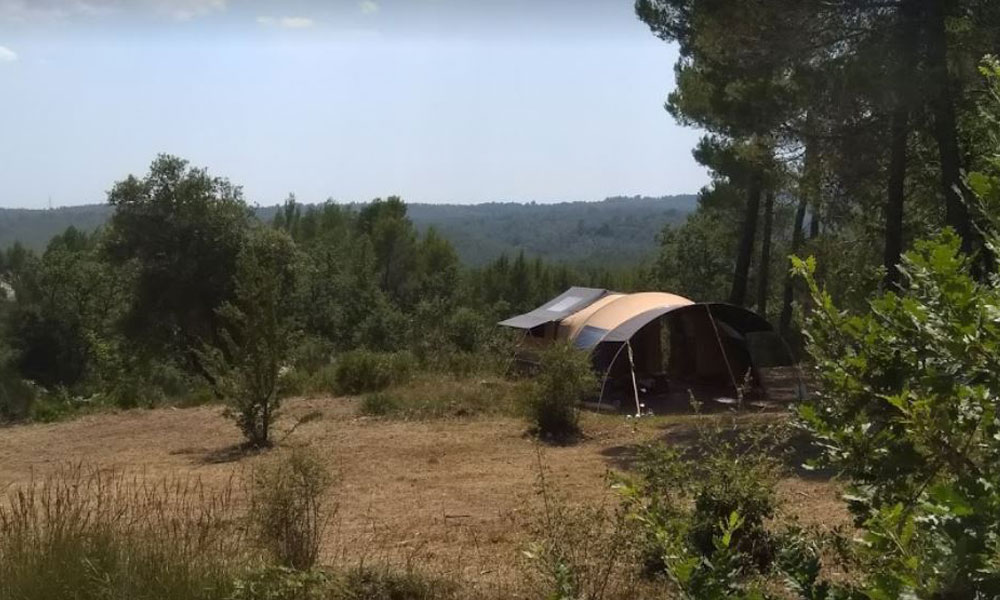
(565, 377)
(260, 330)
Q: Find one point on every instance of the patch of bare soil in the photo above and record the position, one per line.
(451, 495)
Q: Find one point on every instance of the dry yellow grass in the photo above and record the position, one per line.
(451, 494)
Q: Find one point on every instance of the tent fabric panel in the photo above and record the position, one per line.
(741, 319)
(626, 330)
(615, 313)
(570, 327)
(556, 309)
(526, 321)
(589, 337)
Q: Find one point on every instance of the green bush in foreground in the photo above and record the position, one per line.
(564, 379)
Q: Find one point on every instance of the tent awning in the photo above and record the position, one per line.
(563, 305)
(732, 321)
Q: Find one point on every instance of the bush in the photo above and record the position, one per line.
(379, 404)
(705, 509)
(361, 371)
(288, 508)
(360, 583)
(17, 397)
(372, 583)
(564, 379)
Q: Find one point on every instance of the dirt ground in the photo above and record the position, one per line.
(454, 494)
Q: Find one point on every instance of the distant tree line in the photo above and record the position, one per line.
(186, 285)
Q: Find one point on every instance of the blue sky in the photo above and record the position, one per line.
(435, 100)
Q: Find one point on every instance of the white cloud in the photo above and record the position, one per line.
(287, 22)
(23, 11)
(7, 55)
(185, 10)
(368, 7)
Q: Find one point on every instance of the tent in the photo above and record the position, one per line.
(649, 340)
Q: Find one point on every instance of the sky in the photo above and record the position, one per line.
(457, 101)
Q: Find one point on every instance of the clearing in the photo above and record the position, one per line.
(453, 495)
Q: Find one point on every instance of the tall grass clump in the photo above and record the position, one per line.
(97, 534)
(361, 371)
(288, 510)
(580, 552)
(564, 378)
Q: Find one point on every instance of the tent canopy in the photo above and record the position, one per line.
(587, 328)
(572, 300)
(712, 333)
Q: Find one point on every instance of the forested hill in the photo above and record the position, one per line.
(615, 231)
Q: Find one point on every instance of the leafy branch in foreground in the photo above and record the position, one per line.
(908, 414)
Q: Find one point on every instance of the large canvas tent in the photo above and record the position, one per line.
(649, 340)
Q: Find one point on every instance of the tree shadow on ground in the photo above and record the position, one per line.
(223, 455)
(770, 430)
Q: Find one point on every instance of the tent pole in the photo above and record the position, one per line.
(718, 338)
(635, 387)
(604, 380)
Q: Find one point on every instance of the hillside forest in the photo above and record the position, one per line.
(854, 154)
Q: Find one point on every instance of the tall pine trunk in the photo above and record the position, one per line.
(899, 133)
(945, 128)
(895, 194)
(798, 237)
(764, 268)
(745, 250)
(808, 195)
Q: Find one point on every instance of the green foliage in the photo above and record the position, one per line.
(360, 583)
(907, 414)
(182, 231)
(260, 331)
(17, 396)
(282, 583)
(564, 379)
(362, 371)
(379, 404)
(708, 503)
(289, 510)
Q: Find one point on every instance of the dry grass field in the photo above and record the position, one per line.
(454, 495)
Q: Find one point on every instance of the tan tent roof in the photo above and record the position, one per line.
(618, 309)
(571, 325)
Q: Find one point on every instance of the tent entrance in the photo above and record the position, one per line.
(680, 353)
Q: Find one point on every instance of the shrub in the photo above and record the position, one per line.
(379, 404)
(359, 583)
(564, 379)
(362, 371)
(288, 508)
(17, 397)
(705, 509)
